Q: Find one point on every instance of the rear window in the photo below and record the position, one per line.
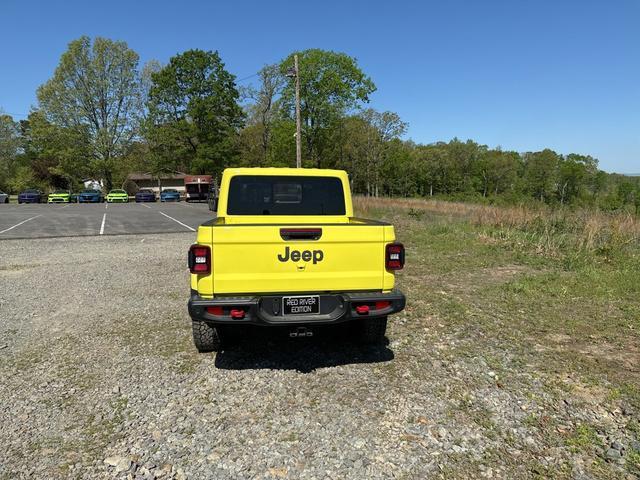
(285, 195)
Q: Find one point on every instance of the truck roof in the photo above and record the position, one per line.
(230, 173)
(306, 172)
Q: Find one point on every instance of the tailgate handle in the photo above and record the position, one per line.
(300, 233)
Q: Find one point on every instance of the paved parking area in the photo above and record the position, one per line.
(71, 220)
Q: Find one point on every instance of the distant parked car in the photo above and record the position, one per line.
(59, 196)
(4, 197)
(117, 196)
(170, 195)
(145, 195)
(73, 198)
(90, 196)
(31, 196)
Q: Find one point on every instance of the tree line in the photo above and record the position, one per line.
(102, 116)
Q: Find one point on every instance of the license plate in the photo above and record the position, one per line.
(301, 305)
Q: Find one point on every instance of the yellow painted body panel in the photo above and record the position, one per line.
(248, 251)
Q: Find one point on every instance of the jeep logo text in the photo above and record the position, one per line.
(297, 255)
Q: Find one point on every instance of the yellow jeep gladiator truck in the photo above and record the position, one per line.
(286, 250)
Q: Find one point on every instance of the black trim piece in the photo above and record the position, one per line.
(370, 223)
(300, 233)
(260, 310)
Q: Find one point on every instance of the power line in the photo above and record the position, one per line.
(247, 78)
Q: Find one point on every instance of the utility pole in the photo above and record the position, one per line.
(298, 133)
(291, 73)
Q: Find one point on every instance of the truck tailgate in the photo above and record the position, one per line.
(265, 259)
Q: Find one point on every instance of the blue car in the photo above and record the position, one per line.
(145, 195)
(170, 195)
(31, 196)
(90, 196)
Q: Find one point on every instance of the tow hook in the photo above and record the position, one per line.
(301, 332)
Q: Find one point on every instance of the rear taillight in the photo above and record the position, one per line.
(394, 258)
(199, 259)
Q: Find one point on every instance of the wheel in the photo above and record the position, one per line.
(206, 337)
(372, 331)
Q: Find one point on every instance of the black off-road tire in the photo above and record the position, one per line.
(206, 337)
(372, 330)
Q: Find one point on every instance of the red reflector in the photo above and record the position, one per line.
(382, 305)
(215, 310)
(362, 309)
(237, 313)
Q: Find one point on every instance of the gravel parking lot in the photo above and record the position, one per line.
(100, 379)
(67, 220)
(99, 373)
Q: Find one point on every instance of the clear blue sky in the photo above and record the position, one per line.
(520, 74)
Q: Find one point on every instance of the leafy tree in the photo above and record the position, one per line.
(9, 145)
(331, 85)
(463, 158)
(398, 172)
(573, 172)
(378, 129)
(22, 179)
(497, 170)
(625, 192)
(59, 156)
(430, 162)
(540, 173)
(96, 88)
(194, 115)
(264, 112)
(282, 147)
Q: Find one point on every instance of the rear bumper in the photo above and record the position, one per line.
(266, 309)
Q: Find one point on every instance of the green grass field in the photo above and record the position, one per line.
(549, 301)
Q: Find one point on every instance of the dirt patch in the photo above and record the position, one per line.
(491, 276)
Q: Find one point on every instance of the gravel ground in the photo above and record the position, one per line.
(100, 380)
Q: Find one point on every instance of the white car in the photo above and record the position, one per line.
(4, 197)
